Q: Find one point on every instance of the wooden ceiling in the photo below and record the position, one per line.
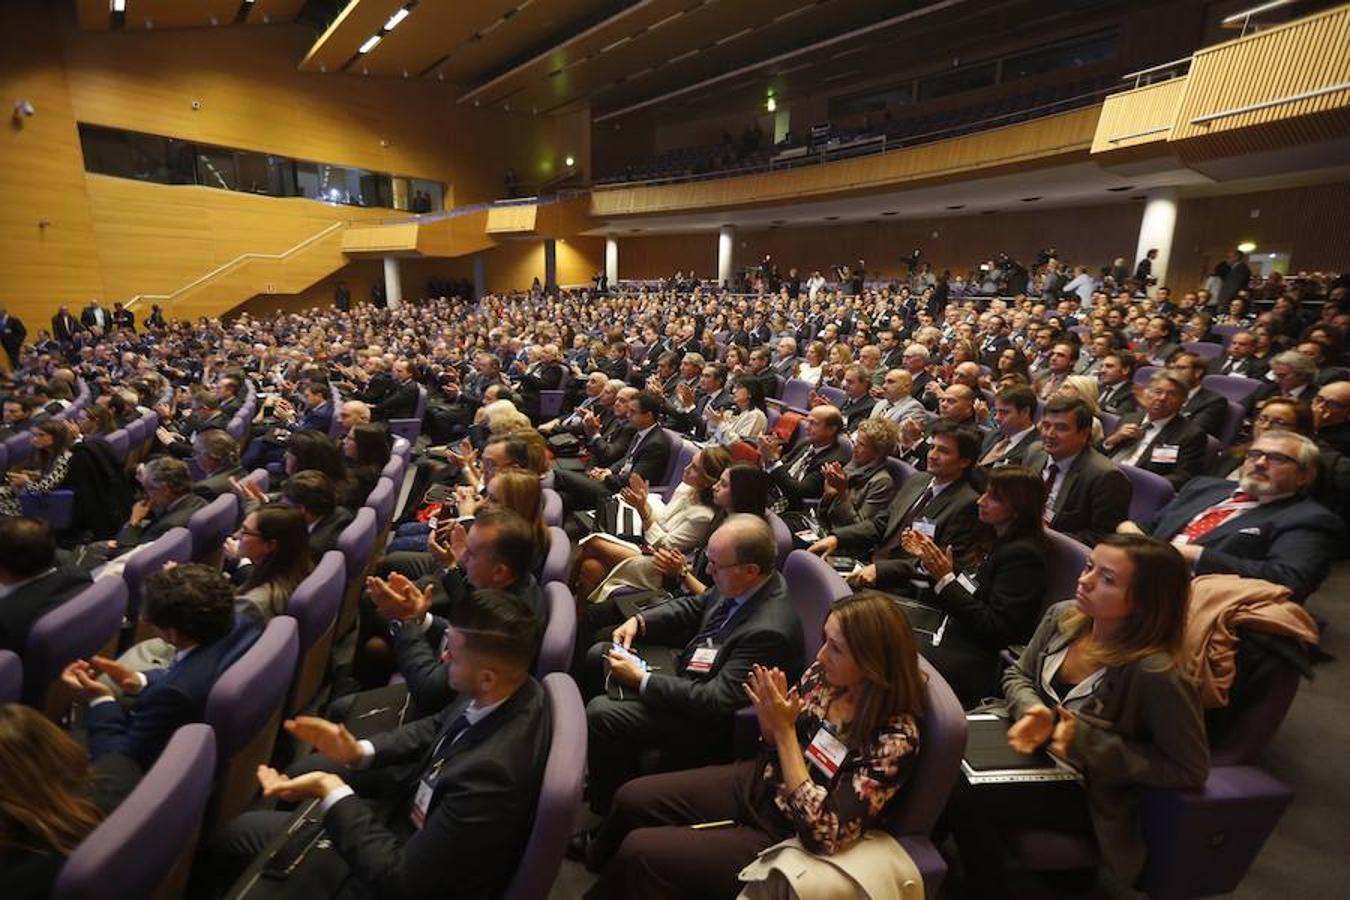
(97, 15)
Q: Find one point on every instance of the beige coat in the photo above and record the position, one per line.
(876, 868)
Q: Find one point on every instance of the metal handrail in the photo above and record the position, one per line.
(1267, 104)
(220, 270)
(421, 218)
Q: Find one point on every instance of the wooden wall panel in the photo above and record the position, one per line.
(579, 258)
(660, 256)
(1142, 116)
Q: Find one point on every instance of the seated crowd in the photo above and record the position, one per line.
(659, 455)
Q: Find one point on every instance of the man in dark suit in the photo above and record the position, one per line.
(1203, 408)
(786, 360)
(31, 583)
(1239, 360)
(1115, 377)
(647, 455)
(939, 503)
(571, 423)
(313, 492)
(192, 608)
(800, 476)
(168, 503)
(1331, 411)
(65, 326)
(95, 316)
(1086, 495)
(12, 334)
(607, 430)
(401, 401)
(859, 401)
(448, 799)
(687, 413)
(1267, 528)
(217, 455)
(545, 375)
(746, 619)
(1238, 278)
(123, 317)
(1015, 414)
(1158, 438)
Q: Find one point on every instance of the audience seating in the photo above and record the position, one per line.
(394, 469)
(560, 630)
(1232, 424)
(401, 446)
(11, 677)
(357, 545)
(782, 536)
(85, 625)
(145, 846)
(900, 470)
(1213, 450)
(382, 498)
(1234, 387)
(245, 707)
(550, 404)
(314, 605)
(56, 508)
(174, 546)
(18, 448)
(411, 428)
(1064, 562)
(210, 526)
(553, 507)
(684, 450)
(1110, 422)
(1203, 349)
(1149, 493)
(1144, 373)
(557, 565)
(796, 394)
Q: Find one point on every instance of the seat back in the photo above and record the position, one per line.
(118, 441)
(782, 537)
(11, 676)
(1234, 387)
(144, 847)
(1232, 423)
(553, 507)
(560, 631)
(1203, 349)
(1149, 492)
(1213, 450)
(558, 560)
(210, 526)
(244, 707)
(85, 625)
(394, 469)
(56, 508)
(381, 499)
(900, 470)
(1246, 737)
(796, 392)
(832, 395)
(356, 543)
(1064, 562)
(314, 605)
(173, 546)
(1144, 373)
(18, 448)
(681, 451)
(942, 744)
(1110, 422)
(814, 587)
(559, 794)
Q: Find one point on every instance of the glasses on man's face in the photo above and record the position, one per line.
(249, 532)
(1271, 457)
(1273, 422)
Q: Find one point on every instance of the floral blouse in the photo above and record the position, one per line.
(830, 814)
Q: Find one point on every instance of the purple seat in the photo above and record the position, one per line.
(1234, 387)
(11, 676)
(56, 508)
(1064, 562)
(85, 625)
(1110, 422)
(238, 426)
(814, 586)
(244, 707)
(261, 477)
(782, 536)
(401, 446)
(683, 451)
(18, 448)
(136, 435)
(915, 809)
(771, 415)
(560, 631)
(394, 469)
(900, 470)
(550, 404)
(796, 392)
(1203, 349)
(559, 794)
(553, 507)
(357, 545)
(411, 428)
(1232, 423)
(173, 546)
(1226, 332)
(1149, 493)
(144, 848)
(832, 395)
(118, 441)
(1213, 450)
(1144, 373)
(210, 526)
(558, 561)
(382, 499)
(314, 605)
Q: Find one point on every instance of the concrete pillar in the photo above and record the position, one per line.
(550, 264)
(393, 283)
(480, 274)
(726, 254)
(612, 261)
(782, 124)
(1156, 229)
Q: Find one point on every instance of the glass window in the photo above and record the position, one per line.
(216, 168)
(427, 196)
(873, 101)
(968, 79)
(1076, 54)
(141, 156)
(263, 174)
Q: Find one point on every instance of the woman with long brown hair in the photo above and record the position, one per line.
(275, 539)
(854, 715)
(50, 798)
(1101, 686)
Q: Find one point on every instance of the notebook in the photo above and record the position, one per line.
(989, 759)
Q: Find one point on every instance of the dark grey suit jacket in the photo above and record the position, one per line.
(1093, 499)
(952, 513)
(1188, 440)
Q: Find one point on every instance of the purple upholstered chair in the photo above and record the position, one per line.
(173, 546)
(782, 537)
(244, 707)
(900, 470)
(1226, 332)
(560, 631)
(402, 446)
(238, 426)
(314, 605)
(136, 436)
(1110, 422)
(394, 469)
(144, 848)
(260, 477)
(1232, 423)
(381, 499)
(558, 561)
(1203, 349)
(118, 441)
(11, 676)
(559, 795)
(915, 809)
(357, 545)
(553, 507)
(411, 428)
(53, 507)
(1144, 373)
(1234, 387)
(832, 395)
(550, 404)
(1213, 450)
(682, 452)
(1063, 564)
(18, 448)
(83, 626)
(210, 526)
(1148, 494)
(814, 586)
(796, 393)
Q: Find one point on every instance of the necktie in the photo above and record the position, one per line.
(720, 614)
(1134, 452)
(886, 550)
(1215, 516)
(799, 466)
(1051, 473)
(995, 453)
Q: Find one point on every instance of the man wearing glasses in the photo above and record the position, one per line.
(1267, 528)
(1331, 409)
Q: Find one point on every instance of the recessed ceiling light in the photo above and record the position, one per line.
(395, 19)
(370, 43)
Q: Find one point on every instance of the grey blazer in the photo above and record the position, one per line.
(1093, 499)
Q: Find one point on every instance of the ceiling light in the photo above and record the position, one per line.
(1246, 247)
(771, 104)
(119, 6)
(395, 19)
(569, 162)
(370, 44)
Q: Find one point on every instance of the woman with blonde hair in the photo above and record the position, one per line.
(1085, 388)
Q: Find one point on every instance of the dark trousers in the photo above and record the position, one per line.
(579, 490)
(649, 851)
(595, 625)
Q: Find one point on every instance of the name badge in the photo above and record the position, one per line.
(966, 582)
(925, 527)
(1166, 453)
(422, 799)
(702, 660)
(826, 752)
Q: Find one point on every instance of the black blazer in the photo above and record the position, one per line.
(399, 403)
(1290, 542)
(324, 536)
(612, 441)
(1093, 498)
(765, 630)
(157, 526)
(812, 483)
(952, 513)
(1118, 399)
(1206, 410)
(650, 460)
(854, 411)
(1188, 440)
(1247, 367)
(30, 602)
(479, 816)
(102, 491)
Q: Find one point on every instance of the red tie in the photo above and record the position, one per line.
(1215, 516)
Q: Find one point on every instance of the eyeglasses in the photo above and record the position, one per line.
(249, 532)
(1271, 457)
(1272, 421)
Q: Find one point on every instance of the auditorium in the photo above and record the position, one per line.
(674, 449)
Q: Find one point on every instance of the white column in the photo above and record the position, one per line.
(550, 264)
(480, 274)
(1156, 229)
(612, 261)
(393, 283)
(782, 123)
(726, 254)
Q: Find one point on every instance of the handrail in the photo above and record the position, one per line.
(1267, 104)
(219, 270)
(1138, 134)
(1158, 68)
(543, 200)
